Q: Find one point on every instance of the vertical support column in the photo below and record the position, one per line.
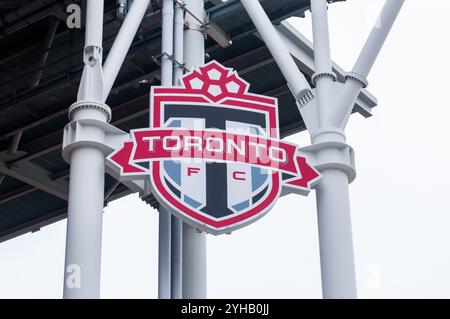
(87, 169)
(164, 260)
(178, 37)
(335, 236)
(332, 193)
(167, 43)
(323, 78)
(177, 253)
(164, 256)
(194, 242)
(177, 225)
(334, 158)
(334, 218)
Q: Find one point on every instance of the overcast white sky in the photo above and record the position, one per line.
(400, 200)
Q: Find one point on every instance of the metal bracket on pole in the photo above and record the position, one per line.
(217, 34)
(79, 134)
(328, 155)
(183, 5)
(157, 59)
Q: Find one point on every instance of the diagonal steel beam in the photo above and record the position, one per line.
(50, 218)
(37, 177)
(33, 225)
(16, 193)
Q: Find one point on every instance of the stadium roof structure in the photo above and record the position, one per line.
(39, 83)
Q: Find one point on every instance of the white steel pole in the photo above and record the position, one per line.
(178, 44)
(333, 202)
(167, 42)
(332, 156)
(177, 225)
(335, 235)
(177, 253)
(296, 81)
(194, 242)
(122, 44)
(164, 260)
(323, 77)
(86, 186)
(356, 79)
(332, 193)
(94, 23)
(164, 256)
(334, 217)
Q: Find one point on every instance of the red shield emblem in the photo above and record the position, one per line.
(213, 152)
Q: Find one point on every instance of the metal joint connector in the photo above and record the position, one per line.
(202, 29)
(203, 24)
(182, 4)
(329, 155)
(157, 60)
(92, 54)
(84, 105)
(304, 99)
(92, 133)
(358, 77)
(319, 75)
(122, 8)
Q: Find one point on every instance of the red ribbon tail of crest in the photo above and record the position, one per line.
(123, 157)
(307, 174)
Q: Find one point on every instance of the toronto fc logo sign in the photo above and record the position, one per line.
(213, 152)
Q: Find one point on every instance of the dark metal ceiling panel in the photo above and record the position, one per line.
(29, 206)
